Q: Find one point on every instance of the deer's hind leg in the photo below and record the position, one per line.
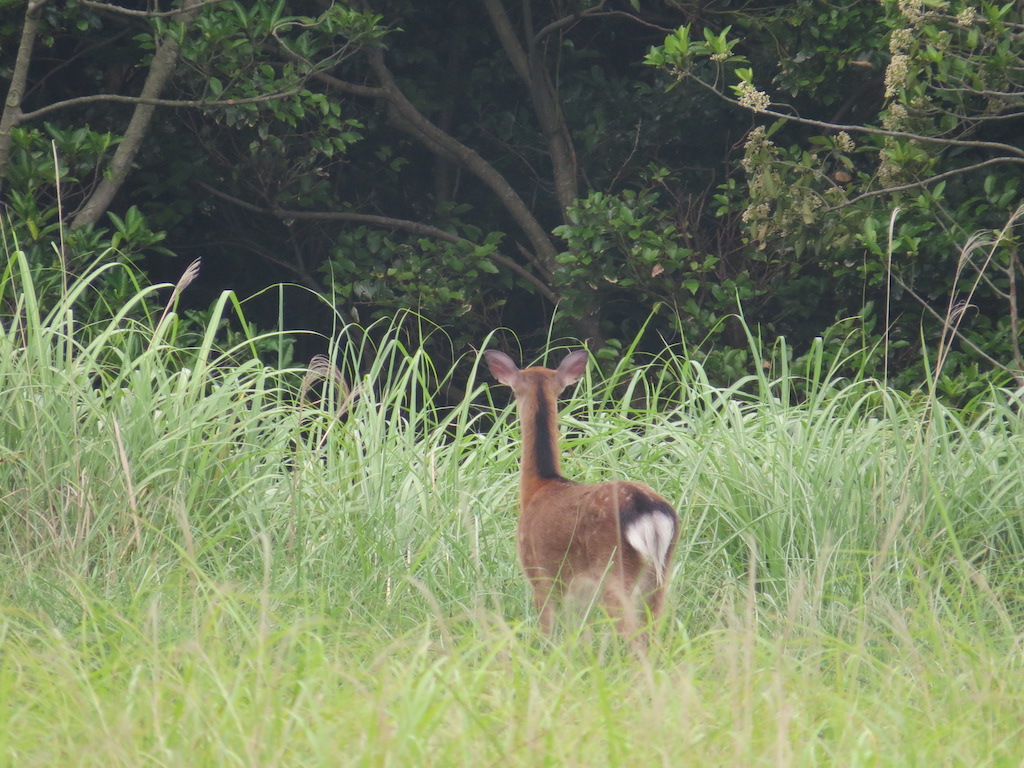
(546, 595)
(621, 607)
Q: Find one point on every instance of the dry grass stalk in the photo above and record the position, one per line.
(187, 278)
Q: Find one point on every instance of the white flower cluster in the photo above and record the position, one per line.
(751, 98)
(995, 105)
(967, 17)
(844, 142)
(896, 74)
(888, 171)
(758, 152)
(758, 212)
(900, 40)
(757, 146)
(896, 118)
(913, 11)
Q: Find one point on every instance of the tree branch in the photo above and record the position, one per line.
(545, 255)
(956, 331)
(929, 180)
(161, 67)
(506, 34)
(388, 222)
(154, 102)
(993, 145)
(530, 66)
(11, 115)
(597, 12)
(111, 8)
(406, 117)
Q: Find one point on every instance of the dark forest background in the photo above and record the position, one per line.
(635, 173)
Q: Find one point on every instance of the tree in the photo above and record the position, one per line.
(369, 86)
(161, 67)
(886, 206)
(290, 86)
(487, 162)
(74, 184)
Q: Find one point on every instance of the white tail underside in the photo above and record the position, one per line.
(651, 536)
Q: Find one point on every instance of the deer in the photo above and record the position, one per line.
(609, 542)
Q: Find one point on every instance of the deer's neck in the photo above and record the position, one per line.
(537, 417)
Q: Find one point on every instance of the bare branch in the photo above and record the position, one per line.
(72, 62)
(413, 227)
(506, 34)
(11, 115)
(542, 254)
(993, 145)
(545, 254)
(956, 332)
(930, 179)
(596, 12)
(155, 102)
(111, 8)
(353, 89)
(530, 66)
(629, 159)
(161, 67)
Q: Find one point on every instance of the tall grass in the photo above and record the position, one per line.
(204, 561)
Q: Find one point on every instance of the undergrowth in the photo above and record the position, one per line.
(207, 561)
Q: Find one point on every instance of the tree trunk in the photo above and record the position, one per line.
(528, 62)
(161, 69)
(12, 105)
(410, 119)
(542, 253)
(544, 256)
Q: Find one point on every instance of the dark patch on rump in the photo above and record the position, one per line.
(635, 505)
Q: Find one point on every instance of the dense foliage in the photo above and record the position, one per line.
(827, 171)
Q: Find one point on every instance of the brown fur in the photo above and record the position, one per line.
(570, 539)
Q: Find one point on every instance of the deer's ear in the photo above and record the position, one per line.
(502, 367)
(572, 367)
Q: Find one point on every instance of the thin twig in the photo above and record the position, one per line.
(414, 227)
(930, 310)
(180, 103)
(111, 8)
(929, 180)
(994, 145)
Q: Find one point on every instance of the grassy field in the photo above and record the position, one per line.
(197, 567)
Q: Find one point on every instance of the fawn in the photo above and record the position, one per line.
(611, 541)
